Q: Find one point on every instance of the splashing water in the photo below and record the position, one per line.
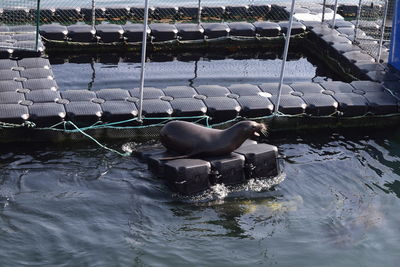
(129, 147)
(219, 192)
(258, 185)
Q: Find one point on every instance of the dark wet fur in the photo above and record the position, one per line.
(260, 128)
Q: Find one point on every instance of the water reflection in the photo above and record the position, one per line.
(394, 187)
(113, 70)
(237, 217)
(351, 218)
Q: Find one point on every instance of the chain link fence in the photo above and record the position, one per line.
(372, 19)
(19, 25)
(373, 27)
(68, 12)
(72, 11)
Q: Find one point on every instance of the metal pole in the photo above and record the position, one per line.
(285, 53)
(334, 14)
(323, 11)
(383, 30)
(199, 13)
(357, 20)
(37, 25)
(394, 52)
(93, 13)
(144, 45)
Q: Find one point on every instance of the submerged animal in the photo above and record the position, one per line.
(190, 139)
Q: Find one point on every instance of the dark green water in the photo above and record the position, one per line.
(82, 206)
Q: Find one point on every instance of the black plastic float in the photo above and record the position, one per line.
(165, 12)
(137, 13)
(10, 14)
(342, 24)
(69, 14)
(213, 11)
(27, 84)
(87, 13)
(236, 12)
(54, 32)
(297, 27)
(215, 30)
(222, 108)
(267, 29)
(12, 113)
(259, 11)
(162, 32)
(133, 33)
(46, 14)
(109, 33)
(19, 45)
(244, 29)
(188, 12)
(117, 13)
(81, 33)
(348, 10)
(193, 175)
(190, 31)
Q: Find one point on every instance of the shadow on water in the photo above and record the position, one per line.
(394, 187)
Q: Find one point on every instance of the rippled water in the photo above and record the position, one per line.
(81, 206)
(123, 71)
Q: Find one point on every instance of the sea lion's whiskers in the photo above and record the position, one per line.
(264, 129)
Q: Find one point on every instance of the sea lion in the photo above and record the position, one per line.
(190, 139)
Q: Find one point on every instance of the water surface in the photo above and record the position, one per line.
(82, 206)
(101, 71)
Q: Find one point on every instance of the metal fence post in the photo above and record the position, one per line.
(37, 25)
(144, 46)
(285, 53)
(199, 13)
(323, 11)
(334, 14)
(382, 31)
(93, 13)
(357, 20)
(394, 56)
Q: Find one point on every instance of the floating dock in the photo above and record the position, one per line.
(30, 100)
(193, 175)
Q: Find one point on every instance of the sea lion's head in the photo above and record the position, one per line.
(254, 128)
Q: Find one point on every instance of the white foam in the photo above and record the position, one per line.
(220, 191)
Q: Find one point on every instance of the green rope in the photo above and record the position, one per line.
(63, 126)
(97, 142)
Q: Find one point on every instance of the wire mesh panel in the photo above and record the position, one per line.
(373, 27)
(19, 25)
(70, 11)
